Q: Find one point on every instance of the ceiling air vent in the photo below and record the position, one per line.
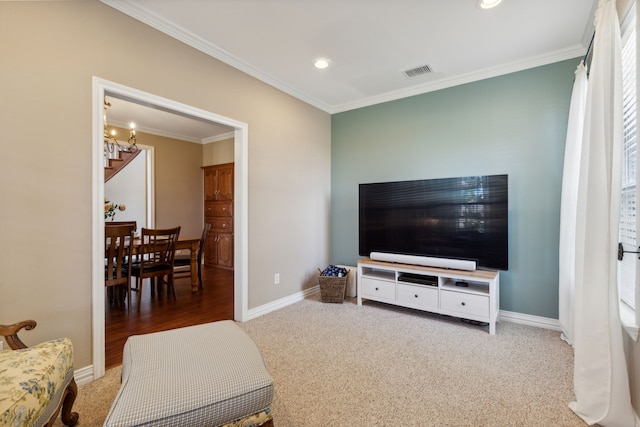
(418, 71)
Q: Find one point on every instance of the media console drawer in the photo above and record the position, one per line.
(378, 288)
(476, 305)
(418, 296)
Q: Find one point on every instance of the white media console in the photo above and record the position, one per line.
(472, 295)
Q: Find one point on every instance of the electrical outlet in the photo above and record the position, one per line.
(276, 279)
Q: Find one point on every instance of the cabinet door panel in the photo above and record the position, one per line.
(218, 182)
(225, 249)
(210, 184)
(225, 183)
(211, 249)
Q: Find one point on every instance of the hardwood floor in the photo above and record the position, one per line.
(161, 312)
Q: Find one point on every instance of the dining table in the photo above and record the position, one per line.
(184, 243)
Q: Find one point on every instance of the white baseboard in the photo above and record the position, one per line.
(528, 319)
(83, 375)
(281, 303)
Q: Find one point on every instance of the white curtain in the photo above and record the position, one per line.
(601, 382)
(569, 202)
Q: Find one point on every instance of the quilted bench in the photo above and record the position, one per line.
(36, 382)
(204, 375)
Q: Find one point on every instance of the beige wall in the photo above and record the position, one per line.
(217, 153)
(49, 53)
(179, 184)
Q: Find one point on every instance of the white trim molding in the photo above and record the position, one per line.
(528, 319)
(282, 302)
(628, 320)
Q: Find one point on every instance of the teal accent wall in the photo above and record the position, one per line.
(513, 124)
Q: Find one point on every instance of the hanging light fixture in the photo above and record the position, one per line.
(111, 144)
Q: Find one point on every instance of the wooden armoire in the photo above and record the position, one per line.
(218, 211)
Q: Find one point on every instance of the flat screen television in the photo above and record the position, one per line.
(456, 218)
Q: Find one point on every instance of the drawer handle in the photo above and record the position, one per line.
(377, 289)
(464, 303)
(416, 295)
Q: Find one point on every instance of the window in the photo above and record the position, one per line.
(628, 218)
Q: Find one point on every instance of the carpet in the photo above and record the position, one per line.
(344, 365)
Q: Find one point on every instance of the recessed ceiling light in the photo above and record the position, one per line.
(321, 63)
(488, 4)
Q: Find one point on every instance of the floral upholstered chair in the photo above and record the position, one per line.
(36, 382)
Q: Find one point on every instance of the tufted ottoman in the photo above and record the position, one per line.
(204, 375)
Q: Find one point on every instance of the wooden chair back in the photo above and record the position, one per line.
(118, 240)
(117, 251)
(157, 250)
(158, 247)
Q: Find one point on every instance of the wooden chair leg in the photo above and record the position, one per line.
(129, 295)
(173, 289)
(200, 276)
(70, 418)
(152, 280)
(139, 286)
(69, 397)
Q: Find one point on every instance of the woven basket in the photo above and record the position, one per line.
(332, 288)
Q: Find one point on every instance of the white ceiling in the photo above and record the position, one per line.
(372, 42)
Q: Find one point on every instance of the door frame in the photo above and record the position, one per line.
(102, 87)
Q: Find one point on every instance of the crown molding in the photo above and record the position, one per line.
(461, 79)
(142, 14)
(215, 138)
(157, 132)
(221, 137)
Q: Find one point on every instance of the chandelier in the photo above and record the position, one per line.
(111, 144)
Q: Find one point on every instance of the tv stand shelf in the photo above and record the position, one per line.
(436, 290)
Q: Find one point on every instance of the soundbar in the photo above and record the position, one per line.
(456, 264)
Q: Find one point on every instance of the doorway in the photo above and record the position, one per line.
(103, 87)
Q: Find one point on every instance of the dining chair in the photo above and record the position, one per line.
(117, 223)
(182, 261)
(157, 252)
(117, 268)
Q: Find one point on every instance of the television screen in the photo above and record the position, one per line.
(458, 218)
